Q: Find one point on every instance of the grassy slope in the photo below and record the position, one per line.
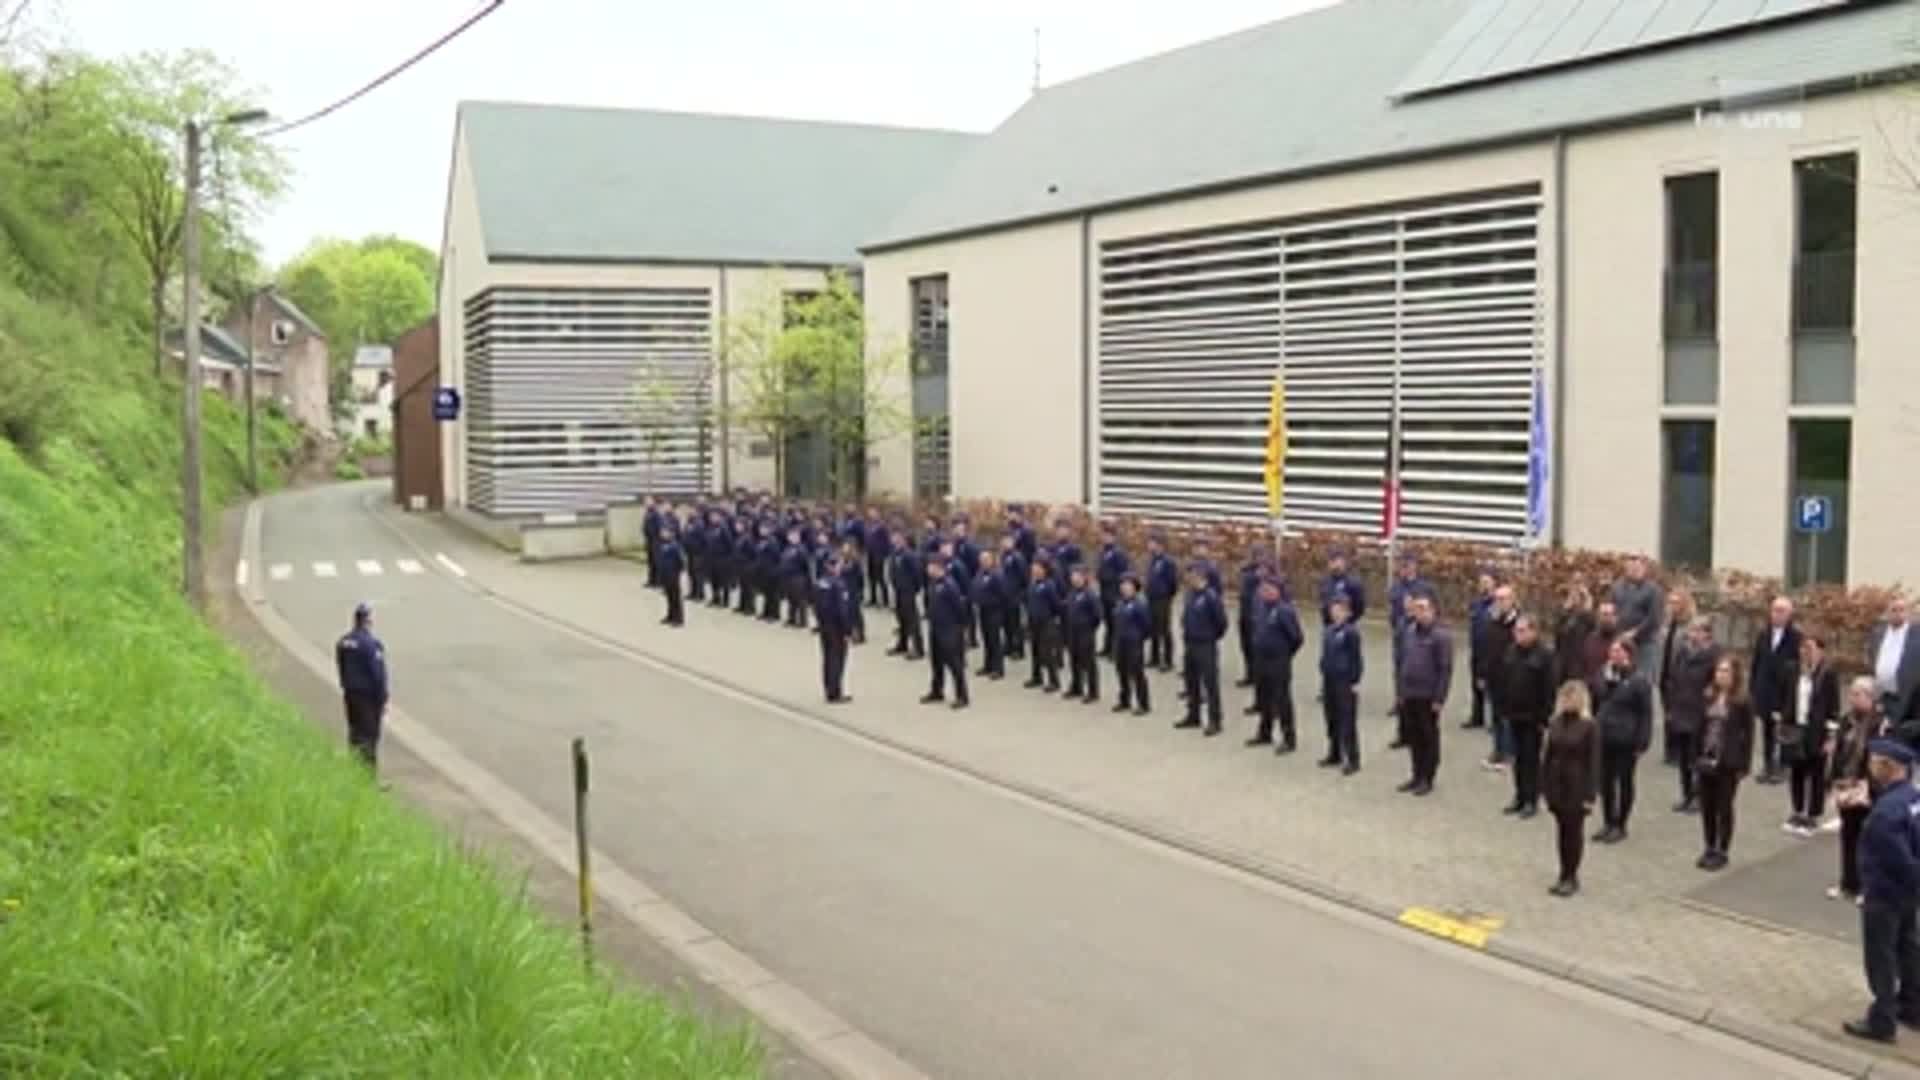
(193, 881)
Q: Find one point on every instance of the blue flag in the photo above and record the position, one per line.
(1537, 461)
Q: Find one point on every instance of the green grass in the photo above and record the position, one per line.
(193, 880)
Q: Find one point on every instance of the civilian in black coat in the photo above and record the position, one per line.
(1683, 687)
(1623, 706)
(1811, 707)
(1776, 652)
(1567, 777)
(1726, 757)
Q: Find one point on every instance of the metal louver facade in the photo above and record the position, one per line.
(577, 398)
(1417, 322)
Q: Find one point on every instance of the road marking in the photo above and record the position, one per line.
(1473, 931)
(369, 567)
(409, 566)
(452, 567)
(240, 574)
(325, 569)
(280, 571)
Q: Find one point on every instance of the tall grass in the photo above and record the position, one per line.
(193, 881)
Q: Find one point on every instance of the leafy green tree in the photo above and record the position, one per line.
(153, 96)
(360, 293)
(385, 295)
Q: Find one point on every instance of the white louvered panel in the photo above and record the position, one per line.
(1425, 312)
(578, 398)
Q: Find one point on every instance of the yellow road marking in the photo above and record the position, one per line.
(1471, 930)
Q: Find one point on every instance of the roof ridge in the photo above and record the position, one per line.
(703, 114)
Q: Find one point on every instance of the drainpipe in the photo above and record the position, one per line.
(1557, 430)
(726, 442)
(1092, 461)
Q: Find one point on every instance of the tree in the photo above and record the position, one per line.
(154, 95)
(360, 293)
(671, 398)
(804, 367)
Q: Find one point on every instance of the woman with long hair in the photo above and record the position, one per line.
(1809, 706)
(1725, 757)
(1846, 753)
(1568, 777)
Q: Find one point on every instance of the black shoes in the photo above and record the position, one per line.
(1712, 860)
(1259, 740)
(1565, 887)
(1422, 789)
(1328, 762)
(1181, 725)
(1860, 1029)
(1407, 788)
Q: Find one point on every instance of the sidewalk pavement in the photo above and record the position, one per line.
(1647, 923)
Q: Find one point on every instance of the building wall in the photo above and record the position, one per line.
(303, 362)
(1014, 373)
(1616, 230)
(416, 438)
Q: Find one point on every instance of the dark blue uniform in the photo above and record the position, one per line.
(767, 565)
(1202, 626)
(907, 579)
(1247, 613)
(1163, 581)
(1889, 898)
(1277, 637)
(1083, 626)
(1338, 584)
(719, 562)
(673, 563)
(855, 579)
(1114, 565)
(990, 603)
(650, 525)
(1013, 571)
(1044, 612)
(1211, 573)
(796, 574)
(1064, 556)
(362, 663)
(879, 545)
(746, 570)
(1340, 671)
(1132, 625)
(1025, 542)
(1479, 616)
(834, 608)
(947, 640)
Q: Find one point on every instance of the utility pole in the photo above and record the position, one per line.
(190, 493)
(253, 425)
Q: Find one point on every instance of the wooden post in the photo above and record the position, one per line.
(582, 849)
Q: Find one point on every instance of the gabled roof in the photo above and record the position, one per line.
(292, 311)
(568, 184)
(1314, 93)
(215, 344)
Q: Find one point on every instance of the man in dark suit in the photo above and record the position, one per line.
(1776, 656)
(1893, 658)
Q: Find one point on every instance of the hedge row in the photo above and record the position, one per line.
(1843, 617)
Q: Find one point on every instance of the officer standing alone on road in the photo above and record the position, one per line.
(834, 607)
(362, 662)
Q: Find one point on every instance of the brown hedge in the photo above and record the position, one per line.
(1843, 617)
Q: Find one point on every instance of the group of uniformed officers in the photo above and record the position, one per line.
(1020, 599)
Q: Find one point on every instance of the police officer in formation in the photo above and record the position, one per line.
(1340, 669)
(1083, 624)
(1013, 575)
(1114, 565)
(669, 564)
(362, 663)
(835, 609)
(1163, 581)
(1202, 625)
(1132, 625)
(1276, 638)
(991, 603)
(1046, 609)
(947, 615)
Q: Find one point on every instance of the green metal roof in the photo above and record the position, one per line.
(568, 184)
(1314, 93)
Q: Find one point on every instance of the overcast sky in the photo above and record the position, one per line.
(380, 165)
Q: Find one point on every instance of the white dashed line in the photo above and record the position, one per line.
(240, 574)
(280, 571)
(369, 567)
(325, 569)
(409, 566)
(452, 567)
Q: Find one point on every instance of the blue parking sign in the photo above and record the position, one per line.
(1812, 514)
(446, 403)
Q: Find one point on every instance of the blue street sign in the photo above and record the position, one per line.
(446, 403)
(1813, 514)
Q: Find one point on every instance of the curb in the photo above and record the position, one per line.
(815, 1031)
(1780, 1038)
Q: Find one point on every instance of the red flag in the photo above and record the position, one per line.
(1390, 493)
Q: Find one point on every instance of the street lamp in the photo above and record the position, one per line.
(190, 480)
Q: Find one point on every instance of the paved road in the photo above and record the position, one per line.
(976, 934)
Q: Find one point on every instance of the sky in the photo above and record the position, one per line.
(380, 164)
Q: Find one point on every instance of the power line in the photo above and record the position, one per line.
(492, 6)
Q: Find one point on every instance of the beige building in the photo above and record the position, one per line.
(290, 356)
(592, 261)
(1627, 276)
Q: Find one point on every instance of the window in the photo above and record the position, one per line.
(1825, 190)
(1693, 246)
(372, 427)
(1822, 453)
(932, 463)
(1686, 512)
